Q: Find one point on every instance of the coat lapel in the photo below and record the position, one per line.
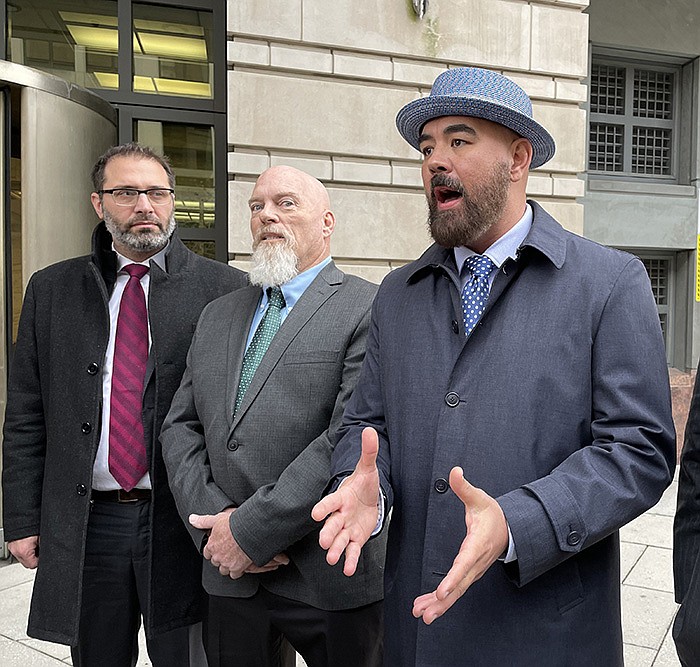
(320, 290)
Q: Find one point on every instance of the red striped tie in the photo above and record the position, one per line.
(127, 443)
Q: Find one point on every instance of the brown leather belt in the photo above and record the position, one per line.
(121, 496)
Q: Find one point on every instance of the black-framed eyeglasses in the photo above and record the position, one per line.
(129, 196)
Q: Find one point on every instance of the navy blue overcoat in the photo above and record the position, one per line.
(558, 405)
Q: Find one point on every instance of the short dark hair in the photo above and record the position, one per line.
(132, 149)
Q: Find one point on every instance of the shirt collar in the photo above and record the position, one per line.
(293, 290)
(504, 247)
(158, 258)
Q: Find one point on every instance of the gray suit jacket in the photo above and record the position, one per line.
(272, 460)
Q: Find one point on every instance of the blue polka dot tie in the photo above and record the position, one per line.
(476, 291)
(268, 327)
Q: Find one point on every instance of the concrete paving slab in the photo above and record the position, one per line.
(653, 570)
(651, 529)
(58, 651)
(14, 611)
(667, 656)
(17, 654)
(630, 553)
(639, 656)
(667, 504)
(646, 616)
(12, 576)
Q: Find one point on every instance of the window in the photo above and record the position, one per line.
(634, 119)
(660, 269)
(189, 139)
(67, 40)
(162, 64)
(149, 53)
(172, 51)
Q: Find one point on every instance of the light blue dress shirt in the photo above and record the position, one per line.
(291, 291)
(503, 248)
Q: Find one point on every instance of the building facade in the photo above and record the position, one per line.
(228, 89)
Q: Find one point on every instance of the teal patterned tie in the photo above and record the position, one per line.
(268, 327)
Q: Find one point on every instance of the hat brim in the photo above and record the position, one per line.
(411, 119)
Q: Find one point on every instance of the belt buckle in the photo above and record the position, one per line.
(121, 499)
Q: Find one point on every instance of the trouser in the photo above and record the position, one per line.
(261, 631)
(115, 594)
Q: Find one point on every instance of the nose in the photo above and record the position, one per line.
(268, 214)
(438, 161)
(143, 203)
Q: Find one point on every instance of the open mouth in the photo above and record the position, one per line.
(446, 197)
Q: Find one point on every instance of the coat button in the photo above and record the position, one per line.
(455, 326)
(81, 489)
(86, 427)
(232, 446)
(452, 399)
(573, 538)
(93, 368)
(441, 485)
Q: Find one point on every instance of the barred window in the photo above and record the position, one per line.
(633, 119)
(660, 274)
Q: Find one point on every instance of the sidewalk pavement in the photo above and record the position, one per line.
(647, 599)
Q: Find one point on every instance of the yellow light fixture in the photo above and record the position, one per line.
(170, 46)
(88, 19)
(99, 39)
(174, 28)
(144, 84)
(179, 87)
(107, 79)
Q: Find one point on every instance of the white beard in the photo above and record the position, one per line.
(274, 263)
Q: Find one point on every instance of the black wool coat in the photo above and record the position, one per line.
(52, 426)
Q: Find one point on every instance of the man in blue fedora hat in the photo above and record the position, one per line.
(524, 359)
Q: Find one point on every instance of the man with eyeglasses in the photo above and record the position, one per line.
(100, 351)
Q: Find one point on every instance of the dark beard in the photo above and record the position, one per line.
(479, 210)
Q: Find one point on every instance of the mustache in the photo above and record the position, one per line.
(141, 217)
(272, 229)
(445, 181)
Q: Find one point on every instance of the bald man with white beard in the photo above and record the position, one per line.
(249, 437)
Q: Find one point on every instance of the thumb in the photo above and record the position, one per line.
(370, 447)
(202, 521)
(467, 493)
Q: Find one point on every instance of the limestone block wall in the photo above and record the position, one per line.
(317, 85)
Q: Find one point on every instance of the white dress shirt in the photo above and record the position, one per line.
(102, 479)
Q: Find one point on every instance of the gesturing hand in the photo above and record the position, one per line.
(351, 512)
(486, 540)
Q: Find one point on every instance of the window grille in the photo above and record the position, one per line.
(607, 89)
(659, 270)
(633, 129)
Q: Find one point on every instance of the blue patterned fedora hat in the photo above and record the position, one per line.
(471, 91)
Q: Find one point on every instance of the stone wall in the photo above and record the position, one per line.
(317, 85)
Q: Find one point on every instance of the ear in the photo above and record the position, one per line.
(521, 154)
(97, 204)
(328, 223)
